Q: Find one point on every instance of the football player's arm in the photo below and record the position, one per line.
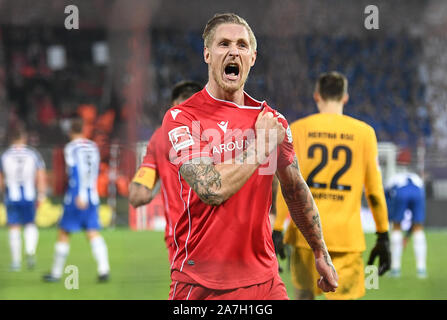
(141, 189)
(278, 219)
(304, 214)
(281, 212)
(376, 201)
(215, 183)
(374, 191)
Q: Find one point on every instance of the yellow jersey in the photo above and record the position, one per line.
(338, 158)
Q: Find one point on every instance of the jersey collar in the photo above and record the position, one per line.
(250, 102)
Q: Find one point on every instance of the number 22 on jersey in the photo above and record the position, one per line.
(327, 156)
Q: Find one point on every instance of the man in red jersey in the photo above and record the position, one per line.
(225, 149)
(151, 168)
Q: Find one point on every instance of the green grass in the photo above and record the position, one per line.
(140, 270)
(408, 286)
(138, 260)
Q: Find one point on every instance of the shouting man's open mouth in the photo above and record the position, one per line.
(231, 71)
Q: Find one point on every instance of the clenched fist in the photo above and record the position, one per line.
(269, 132)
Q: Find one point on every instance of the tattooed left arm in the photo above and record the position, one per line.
(304, 214)
(300, 202)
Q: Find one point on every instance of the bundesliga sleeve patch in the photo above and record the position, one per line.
(180, 138)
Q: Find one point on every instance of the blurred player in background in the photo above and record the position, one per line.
(338, 157)
(405, 191)
(223, 240)
(141, 189)
(23, 179)
(80, 203)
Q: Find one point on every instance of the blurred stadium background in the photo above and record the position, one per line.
(118, 68)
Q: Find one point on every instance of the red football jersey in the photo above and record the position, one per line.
(230, 245)
(154, 159)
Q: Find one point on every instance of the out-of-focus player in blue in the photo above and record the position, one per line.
(23, 180)
(405, 191)
(80, 203)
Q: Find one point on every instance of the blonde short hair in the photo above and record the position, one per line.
(222, 18)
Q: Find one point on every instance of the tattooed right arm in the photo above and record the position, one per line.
(204, 179)
(215, 183)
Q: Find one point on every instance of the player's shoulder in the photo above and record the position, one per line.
(157, 132)
(186, 108)
(91, 143)
(24, 150)
(301, 121)
(179, 113)
(355, 123)
(32, 150)
(70, 144)
(304, 121)
(342, 120)
(79, 143)
(193, 100)
(92, 146)
(154, 138)
(359, 124)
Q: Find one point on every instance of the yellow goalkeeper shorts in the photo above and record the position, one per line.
(349, 267)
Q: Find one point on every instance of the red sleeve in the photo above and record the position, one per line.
(183, 136)
(286, 152)
(149, 160)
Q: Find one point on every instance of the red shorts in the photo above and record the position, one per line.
(273, 289)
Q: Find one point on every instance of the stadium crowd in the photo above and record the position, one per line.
(384, 92)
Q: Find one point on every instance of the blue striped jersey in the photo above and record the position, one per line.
(19, 165)
(82, 160)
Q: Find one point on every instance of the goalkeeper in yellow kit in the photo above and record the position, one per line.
(338, 157)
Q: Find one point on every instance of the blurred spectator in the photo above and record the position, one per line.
(88, 113)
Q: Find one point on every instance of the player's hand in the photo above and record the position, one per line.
(267, 126)
(382, 250)
(328, 281)
(81, 205)
(278, 243)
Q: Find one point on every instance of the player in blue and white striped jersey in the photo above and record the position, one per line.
(405, 191)
(80, 203)
(23, 180)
